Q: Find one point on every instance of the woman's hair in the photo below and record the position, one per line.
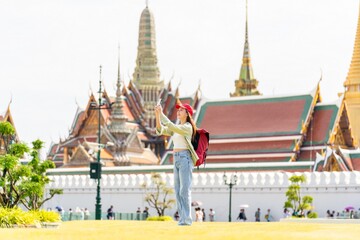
(190, 120)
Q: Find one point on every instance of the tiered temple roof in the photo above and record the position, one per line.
(145, 149)
(278, 129)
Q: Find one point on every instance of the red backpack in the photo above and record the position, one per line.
(201, 144)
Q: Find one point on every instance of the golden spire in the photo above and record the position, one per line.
(246, 84)
(352, 87)
(352, 82)
(146, 76)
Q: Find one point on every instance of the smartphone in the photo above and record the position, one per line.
(159, 102)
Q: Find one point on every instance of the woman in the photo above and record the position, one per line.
(184, 155)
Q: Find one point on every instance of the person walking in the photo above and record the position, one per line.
(87, 214)
(70, 214)
(257, 215)
(268, 216)
(184, 155)
(212, 215)
(204, 215)
(146, 213)
(138, 212)
(199, 215)
(176, 216)
(242, 216)
(110, 213)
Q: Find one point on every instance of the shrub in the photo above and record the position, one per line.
(48, 216)
(16, 216)
(312, 215)
(161, 218)
(10, 217)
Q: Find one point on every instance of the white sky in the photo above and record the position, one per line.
(50, 51)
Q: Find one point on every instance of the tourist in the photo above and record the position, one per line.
(87, 214)
(242, 216)
(212, 215)
(138, 213)
(257, 215)
(184, 155)
(268, 216)
(70, 214)
(328, 214)
(176, 216)
(198, 215)
(110, 213)
(286, 213)
(146, 213)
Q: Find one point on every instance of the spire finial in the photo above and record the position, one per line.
(118, 79)
(118, 83)
(147, 3)
(321, 74)
(246, 23)
(100, 85)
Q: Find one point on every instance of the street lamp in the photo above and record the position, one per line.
(95, 167)
(230, 183)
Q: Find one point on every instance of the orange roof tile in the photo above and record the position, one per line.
(255, 117)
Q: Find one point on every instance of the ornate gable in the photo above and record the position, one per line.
(81, 157)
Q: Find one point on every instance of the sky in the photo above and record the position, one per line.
(50, 51)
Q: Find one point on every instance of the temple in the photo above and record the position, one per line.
(249, 132)
(246, 85)
(127, 121)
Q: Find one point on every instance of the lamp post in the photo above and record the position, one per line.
(98, 197)
(95, 167)
(230, 183)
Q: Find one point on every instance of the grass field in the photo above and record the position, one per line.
(169, 230)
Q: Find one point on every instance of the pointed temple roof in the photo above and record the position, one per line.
(146, 70)
(7, 117)
(146, 76)
(246, 84)
(352, 86)
(353, 77)
(118, 119)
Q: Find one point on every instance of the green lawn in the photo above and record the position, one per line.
(169, 230)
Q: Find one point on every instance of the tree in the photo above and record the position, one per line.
(22, 183)
(294, 200)
(157, 198)
(34, 188)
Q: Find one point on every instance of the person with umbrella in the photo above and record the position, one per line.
(242, 215)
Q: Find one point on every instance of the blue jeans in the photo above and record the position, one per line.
(183, 167)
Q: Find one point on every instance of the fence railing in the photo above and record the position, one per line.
(76, 216)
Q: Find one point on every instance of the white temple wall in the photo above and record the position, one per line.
(334, 191)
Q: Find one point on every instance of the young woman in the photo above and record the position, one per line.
(184, 155)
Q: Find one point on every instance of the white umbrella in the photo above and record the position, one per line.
(196, 204)
(244, 206)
